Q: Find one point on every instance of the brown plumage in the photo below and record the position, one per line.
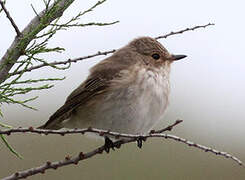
(114, 75)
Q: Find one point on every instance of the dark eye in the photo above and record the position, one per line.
(155, 56)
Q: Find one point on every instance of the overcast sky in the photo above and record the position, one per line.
(207, 88)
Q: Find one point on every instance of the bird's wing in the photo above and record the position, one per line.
(97, 83)
(91, 87)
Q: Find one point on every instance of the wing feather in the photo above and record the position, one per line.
(97, 83)
(91, 87)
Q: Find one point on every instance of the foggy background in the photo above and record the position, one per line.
(207, 91)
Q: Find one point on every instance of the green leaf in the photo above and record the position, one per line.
(10, 147)
(4, 125)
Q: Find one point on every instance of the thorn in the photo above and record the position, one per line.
(31, 128)
(152, 131)
(42, 171)
(179, 121)
(16, 174)
(101, 133)
(48, 163)
(67, 158)
(81, 155)
(89, 128)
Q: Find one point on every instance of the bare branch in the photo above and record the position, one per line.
(184, 30)
(92, 8)
(126, 139)
(83, 25)
(10, 19)
(71, 23)
(65, 62)
(4, 1)
(36, 25)
(105, 52)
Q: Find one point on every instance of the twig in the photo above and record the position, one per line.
(4, 1)
(55, 165)
(10, 19)
(83, 25)
(105, 52)
(82, 156)
(168, 128)
(184, 30)
(65, 62)
(34, 10)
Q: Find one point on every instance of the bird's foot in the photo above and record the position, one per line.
(140, 141)
(108, 144)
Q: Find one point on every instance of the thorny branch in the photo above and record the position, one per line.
(123, 139)
(10, 18)
(107, 52)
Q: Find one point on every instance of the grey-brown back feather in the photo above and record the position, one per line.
(97, 83)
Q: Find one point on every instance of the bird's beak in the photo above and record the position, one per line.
(178, 57)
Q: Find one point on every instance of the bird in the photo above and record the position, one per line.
(127, 92)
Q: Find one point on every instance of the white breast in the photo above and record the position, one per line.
(153, 97)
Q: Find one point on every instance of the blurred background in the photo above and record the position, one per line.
(207, 91)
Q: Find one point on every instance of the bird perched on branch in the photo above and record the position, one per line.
(127, 92)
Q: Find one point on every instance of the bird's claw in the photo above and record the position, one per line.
(140, 141)
(108, 144)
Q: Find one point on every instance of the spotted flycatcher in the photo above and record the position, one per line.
(126, 93)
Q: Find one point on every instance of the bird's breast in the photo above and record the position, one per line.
(153, 96)
(144, 100)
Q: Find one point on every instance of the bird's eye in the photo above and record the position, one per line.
(155, 56)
